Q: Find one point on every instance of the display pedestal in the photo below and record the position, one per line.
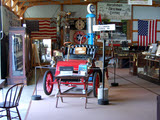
(114, 84)
(36, 97)
(103, 101)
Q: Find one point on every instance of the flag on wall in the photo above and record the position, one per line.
(147, 32)
(43, 29)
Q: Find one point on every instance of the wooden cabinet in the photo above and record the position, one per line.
(19, 55)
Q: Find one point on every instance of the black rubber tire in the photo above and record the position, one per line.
(45, 80)
(95, 88)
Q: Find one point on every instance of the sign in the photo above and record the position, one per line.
(108, 27)
(90, 8)
(140, 2)
(79, 37)
(114, 11)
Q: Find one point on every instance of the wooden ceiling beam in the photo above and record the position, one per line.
(15, 3)
(33, 0)
(41, 3)
(6, 1)
(9, 3)
(23, 11)
(20, 7)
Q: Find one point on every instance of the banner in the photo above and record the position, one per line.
(140, 2)
(114, 11)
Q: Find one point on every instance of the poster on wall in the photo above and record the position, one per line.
(140, 2)
(114, 11)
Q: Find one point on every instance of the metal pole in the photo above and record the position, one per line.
(36, 97)
(114, 83)
(114, 72)
(103, 72)
(103, 101)
(35, 81)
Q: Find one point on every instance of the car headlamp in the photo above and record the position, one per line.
(89, 62)
(53, 62)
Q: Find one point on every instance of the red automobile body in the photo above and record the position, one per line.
(75, 63)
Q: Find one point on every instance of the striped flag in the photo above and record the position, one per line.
(147, 32)
(45, 30)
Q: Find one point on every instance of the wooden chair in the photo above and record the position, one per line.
(11, 100)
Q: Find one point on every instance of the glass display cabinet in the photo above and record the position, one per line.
(150, 70)
(18, 55)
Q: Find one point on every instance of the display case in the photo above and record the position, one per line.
(19, 55)
(133, 63)
(150, 70)
(122, 54)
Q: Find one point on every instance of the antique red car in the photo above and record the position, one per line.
(70, 58)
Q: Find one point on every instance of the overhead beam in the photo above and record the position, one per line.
(20, 7)
(33, 0)
(23, 11)
(6, 1)
(50, 2)
(15, 3)
(9, 3)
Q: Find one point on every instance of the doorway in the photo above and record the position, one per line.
(41, 50)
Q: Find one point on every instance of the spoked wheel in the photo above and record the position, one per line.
(47, 85)
(96, 83)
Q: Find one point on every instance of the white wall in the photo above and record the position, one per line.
(48, 11)
(42, 11)
(79, 10)
(144, 12)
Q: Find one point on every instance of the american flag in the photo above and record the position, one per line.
(147, 32)
(43, 30)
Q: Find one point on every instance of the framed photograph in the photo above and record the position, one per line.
(140, 2)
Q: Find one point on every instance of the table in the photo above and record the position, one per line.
(64, 94)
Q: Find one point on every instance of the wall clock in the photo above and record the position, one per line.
(80, 24)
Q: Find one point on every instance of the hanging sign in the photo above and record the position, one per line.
(114, 11)
(140, 2)
(108, 27)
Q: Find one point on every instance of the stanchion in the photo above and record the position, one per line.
(104, 100)
(36, 97)
(114, 83)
